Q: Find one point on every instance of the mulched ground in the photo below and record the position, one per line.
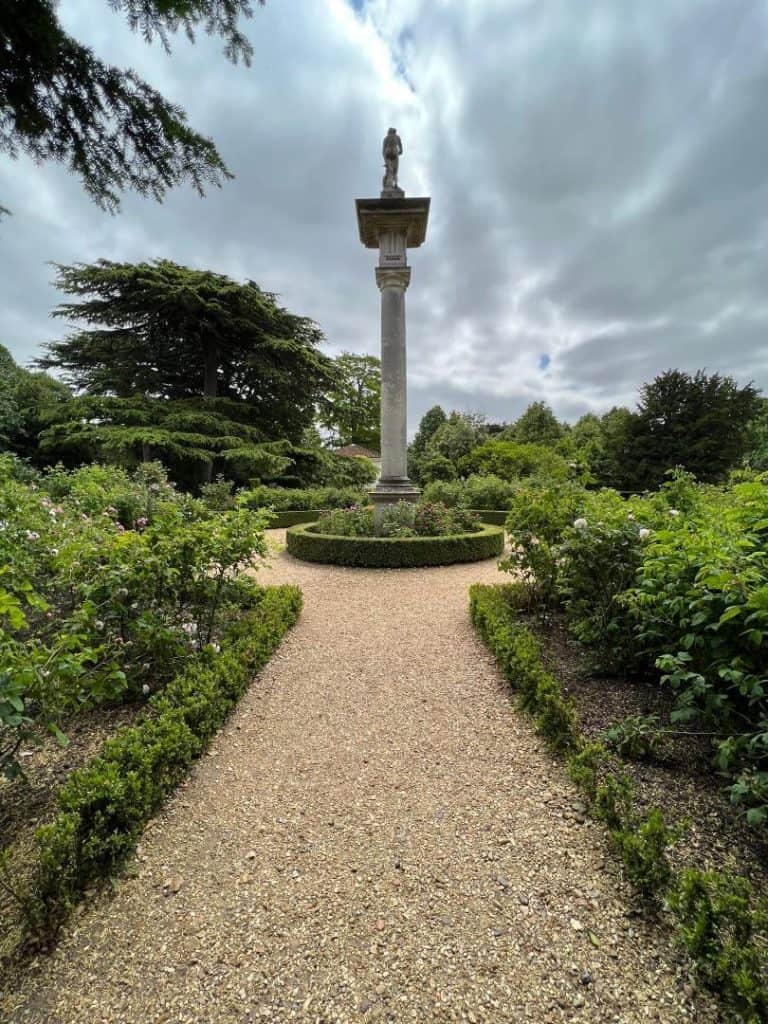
(29, 800)
(375, 835)
(680, 779)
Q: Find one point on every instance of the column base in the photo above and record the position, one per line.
(387, 493)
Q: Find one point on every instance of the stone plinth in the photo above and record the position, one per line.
(392, 224)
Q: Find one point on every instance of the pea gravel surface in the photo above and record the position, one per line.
(375, 835)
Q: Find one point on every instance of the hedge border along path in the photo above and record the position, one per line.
(394, 552)
(719, 919)
(105, 805)
(372, 837)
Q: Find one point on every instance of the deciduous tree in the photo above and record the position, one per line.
(351, 408)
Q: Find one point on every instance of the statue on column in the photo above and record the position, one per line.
(391, 149)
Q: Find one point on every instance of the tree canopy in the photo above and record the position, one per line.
(537, 425)
(351, 407)
(27, 403)
(166, 331)
(699, 422)
(59, 101)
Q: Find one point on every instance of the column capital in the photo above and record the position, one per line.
(393, 277)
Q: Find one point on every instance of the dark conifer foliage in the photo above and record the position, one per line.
(59, 101)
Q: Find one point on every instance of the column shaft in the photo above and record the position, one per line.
(394, 425)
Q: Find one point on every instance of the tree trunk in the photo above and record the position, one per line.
(210, 390)
(211, 382)
(146, 453)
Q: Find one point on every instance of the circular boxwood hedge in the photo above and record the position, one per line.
(394, 552)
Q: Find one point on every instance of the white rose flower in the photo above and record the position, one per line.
(145, 689)
(580, 524)
(674, 513)
(644, 534)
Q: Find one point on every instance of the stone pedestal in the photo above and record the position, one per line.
(391, 224)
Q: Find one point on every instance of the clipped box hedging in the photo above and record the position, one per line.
(282, 520)
(720, 919)
(293, 517)
(492, 516)
(394, 552)
(105, 805)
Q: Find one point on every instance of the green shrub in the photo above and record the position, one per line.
(509, 460)
(518, 654)
(636, 737)
(394, 552)
(724, 927)
(487, 491)
(699, 606)
(448, 492)
(93, 489)
(349, 522)
(218, 495)
(104, 806)
(599, 558)
(643, 850)
(539, 513)
(92, 612)
(285, 499)
(436, 467)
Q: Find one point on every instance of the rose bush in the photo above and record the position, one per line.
(673, 585)
(109, 584)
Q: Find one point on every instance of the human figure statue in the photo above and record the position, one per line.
(391, 149)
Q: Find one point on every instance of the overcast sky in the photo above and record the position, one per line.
(598, 172)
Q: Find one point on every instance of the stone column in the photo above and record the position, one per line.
(394, 416)
(393, 484)
(392, 224)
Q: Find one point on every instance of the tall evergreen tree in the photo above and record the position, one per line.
(59, 101)
(192, 437)
(208, 370)
(699, 422)
(166, 331)
(430, 422)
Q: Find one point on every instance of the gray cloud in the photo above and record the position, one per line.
(597, 174)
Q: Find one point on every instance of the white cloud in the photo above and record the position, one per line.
(597, 173)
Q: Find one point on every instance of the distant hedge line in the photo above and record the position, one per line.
(720, 919)
(395, 552)
(105, 805)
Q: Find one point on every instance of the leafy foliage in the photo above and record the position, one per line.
(351, 407)
(99, 601)
(537, 425)
(27, 402)
(356, 521)
(187, 435)
(283, 499)
(725, 929)
(674, 584)
(104, 806)
(509, 460)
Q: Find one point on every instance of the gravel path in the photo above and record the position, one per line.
(374, 836)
